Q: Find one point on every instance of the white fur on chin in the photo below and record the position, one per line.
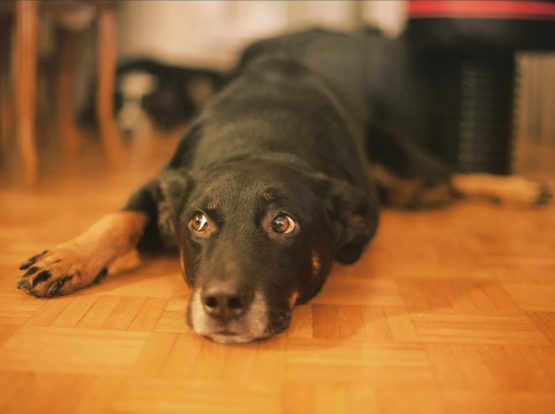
(250, 327)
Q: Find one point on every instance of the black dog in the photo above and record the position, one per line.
(268, 187)
(152, 94)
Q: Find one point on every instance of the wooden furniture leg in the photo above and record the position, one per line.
(65, 85)
(27, 25)
(107, 54)
(5, 84)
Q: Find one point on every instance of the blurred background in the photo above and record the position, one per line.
(215, 32)
(59, 59)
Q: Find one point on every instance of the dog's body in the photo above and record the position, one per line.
(274, 173)
(267, 188)
(384, 79)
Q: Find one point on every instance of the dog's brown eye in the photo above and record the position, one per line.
(198, 222)
(283, 224)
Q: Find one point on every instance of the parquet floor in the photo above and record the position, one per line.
(448, 311)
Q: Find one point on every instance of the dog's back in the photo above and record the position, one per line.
(383, 79)
(339, 57)
(279, 108)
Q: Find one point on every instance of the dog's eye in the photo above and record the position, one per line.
(283, 224)
(198, 222)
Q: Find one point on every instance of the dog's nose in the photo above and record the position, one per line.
(127, 133)
(226, 301)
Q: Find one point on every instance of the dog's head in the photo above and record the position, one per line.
(150, 99)
(256, 237)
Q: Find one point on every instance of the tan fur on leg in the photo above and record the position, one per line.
(513, 189)
(411, 193)
(85, 259)
(129, 261)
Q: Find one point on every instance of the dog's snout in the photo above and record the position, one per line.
(226, 301)
(127, 133)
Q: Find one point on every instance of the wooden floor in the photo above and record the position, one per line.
(449, 311)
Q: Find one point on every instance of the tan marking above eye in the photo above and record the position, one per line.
(212, 205)
(316, 265)
(293, 299)
(182, 261)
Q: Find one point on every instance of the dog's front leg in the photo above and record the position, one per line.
(84, 259)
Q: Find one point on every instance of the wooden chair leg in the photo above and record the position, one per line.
(5, 84)
(107, 55)
(65, 85)
(27, 26)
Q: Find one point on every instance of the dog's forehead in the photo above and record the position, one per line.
(242, 187)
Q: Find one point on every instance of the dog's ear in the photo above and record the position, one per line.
(172, 188)
(354, 214)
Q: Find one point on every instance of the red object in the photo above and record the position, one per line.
(529, 10)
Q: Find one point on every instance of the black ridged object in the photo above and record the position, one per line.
(474, 130)
(472, 45)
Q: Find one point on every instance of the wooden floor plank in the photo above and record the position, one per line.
(52, 349)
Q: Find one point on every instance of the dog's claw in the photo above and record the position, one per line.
(101, 275)
(31, 260)
(56, 285)
(26, 264)
(544, 196)
(30, 271)
(41, 277)
(23, 284)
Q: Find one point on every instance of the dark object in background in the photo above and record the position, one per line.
(149, 93)
(475, 112)
(472, 45)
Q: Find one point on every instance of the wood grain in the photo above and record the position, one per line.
(448, 311)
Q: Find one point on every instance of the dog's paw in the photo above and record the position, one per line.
(505, 190)
(524, 192)
(59, 271)
(544, 195)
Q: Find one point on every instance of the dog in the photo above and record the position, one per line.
(269, 186)
(151, 95)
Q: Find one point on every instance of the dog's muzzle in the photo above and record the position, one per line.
(228, 312)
